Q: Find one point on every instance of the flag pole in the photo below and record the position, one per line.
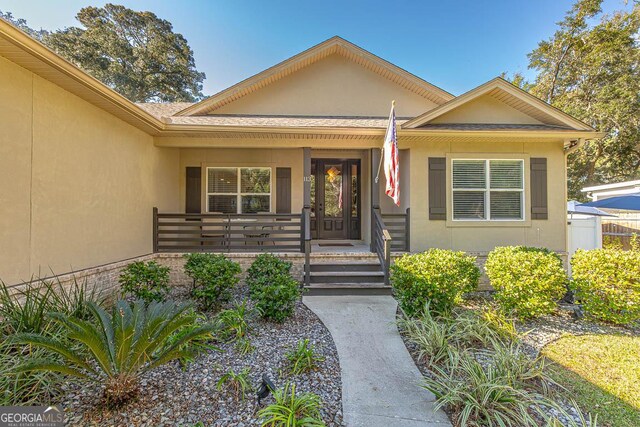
(393, 105)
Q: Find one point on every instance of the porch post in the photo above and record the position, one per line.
(306, 214)
(375, 192)
(307, 177)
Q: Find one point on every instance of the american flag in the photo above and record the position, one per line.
(391, 160)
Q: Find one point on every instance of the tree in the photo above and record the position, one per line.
(135, 53)
(22, 24)
(592, 71)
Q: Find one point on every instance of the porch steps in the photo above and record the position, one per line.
(350, 277)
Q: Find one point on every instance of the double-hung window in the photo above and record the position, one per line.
(238, 190)
(488, 190)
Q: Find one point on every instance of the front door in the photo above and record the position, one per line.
(335, 199)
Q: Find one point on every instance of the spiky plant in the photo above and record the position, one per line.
(238, 383)
(431, 337)
(482, 395)
(303, 357)
(234, 322)
(118, 347)
(292, 410)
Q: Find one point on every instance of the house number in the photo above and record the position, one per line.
(307, 178)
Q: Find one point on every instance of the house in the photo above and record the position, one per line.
(599, 192)
(284, 161)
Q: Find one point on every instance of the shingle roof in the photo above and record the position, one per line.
(284, 121)
(163, 109)
(491, 126)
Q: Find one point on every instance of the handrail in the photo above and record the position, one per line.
(382, 243)
(306, 243)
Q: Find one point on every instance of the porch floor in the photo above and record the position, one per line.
(339, 246)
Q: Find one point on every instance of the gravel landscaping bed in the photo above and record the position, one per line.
(172, 396)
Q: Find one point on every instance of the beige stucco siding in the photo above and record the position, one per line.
(334, 86)
(484, 236)
(485, 109)
(76, 184)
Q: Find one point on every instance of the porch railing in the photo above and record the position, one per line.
(381, 242)
(398, 227)
(179, 232)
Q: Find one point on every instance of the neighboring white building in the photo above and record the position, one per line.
(599, 192)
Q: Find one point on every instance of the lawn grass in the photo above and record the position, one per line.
(602, 374)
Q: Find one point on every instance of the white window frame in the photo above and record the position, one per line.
(238, 193)
(487, 191)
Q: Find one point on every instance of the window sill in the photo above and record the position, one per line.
(488, 224)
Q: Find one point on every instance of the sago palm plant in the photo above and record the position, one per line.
(117, 348)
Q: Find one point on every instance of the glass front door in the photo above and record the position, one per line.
(335, 194)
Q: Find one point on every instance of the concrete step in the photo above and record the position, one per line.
(346, 277)
(366, 265)
(336, 289)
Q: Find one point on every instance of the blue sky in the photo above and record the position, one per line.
(456, 45)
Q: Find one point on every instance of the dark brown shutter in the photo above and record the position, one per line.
(437, 188)
(539, 208)
(193, 193)
(283, 190)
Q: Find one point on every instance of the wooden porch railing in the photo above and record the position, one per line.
(381, 242)
(398, 227)
(178, 232)
(306, 244)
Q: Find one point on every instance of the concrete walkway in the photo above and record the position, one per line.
(380, 382)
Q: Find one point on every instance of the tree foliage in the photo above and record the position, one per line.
(135, 53)
(590, 69)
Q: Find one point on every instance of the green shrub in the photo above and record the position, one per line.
(607, 283)
(272, 288)
(528, 281)
(303, 357)
(437, 276)
(117, 347)
(292, 410)
(263, 268)
(214, 276)
(147, 281)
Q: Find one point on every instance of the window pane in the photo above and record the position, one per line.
(469, 174)
(506, 204)
(506, 173)
(223, 204)
(468, 205)
(254, 204)
(222, 180)
(255, 180)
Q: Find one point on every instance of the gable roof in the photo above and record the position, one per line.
(512, 96)
(334, 45)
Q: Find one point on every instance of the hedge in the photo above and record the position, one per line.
(607, 283)
(437, 276)
(528, 281)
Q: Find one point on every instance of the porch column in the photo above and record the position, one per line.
(375, 191)
(306, 213)
(306, 201)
